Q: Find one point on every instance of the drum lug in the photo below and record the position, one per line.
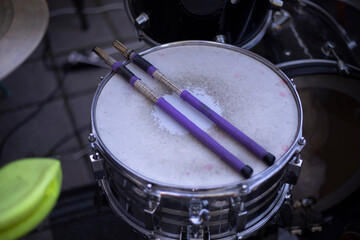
(198, 217)
(239, 213)
(142, 21)
(220, 38)
(276, 4)
(293, 170)
(153, 202)
(97, 165)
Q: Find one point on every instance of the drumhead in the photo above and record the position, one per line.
(240, 86)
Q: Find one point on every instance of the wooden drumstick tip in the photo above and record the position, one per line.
(100, 53)
(119, 46)
(103, 55)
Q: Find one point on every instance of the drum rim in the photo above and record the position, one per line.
(252, 182)
(259, 34)
(328, 66)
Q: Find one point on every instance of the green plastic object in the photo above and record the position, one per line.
(29, 189)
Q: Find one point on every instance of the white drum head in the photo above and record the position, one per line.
(245, 91)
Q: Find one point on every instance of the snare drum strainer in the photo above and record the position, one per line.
(165, 183)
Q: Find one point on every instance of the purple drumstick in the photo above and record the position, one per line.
(196, 103)
(202, 136)
(226, 126)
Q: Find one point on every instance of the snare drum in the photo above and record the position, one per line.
(167, 185)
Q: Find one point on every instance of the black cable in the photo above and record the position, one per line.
(222, 19)
(65, 139)
(238, 41)
(30, 116)
(43, 103)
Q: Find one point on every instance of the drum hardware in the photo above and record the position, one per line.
(199, 216)
(276, 4)
(293, 170)
(142, 21)
(196, 103)
(153, 202)
(97, 164)
(279, 18)
(220, 38)
(329, 50)
(238, 210)
(96, 161)
(305, 218)
(351, 44)
(289, 38)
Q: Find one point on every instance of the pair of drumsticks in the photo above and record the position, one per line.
(202, 136)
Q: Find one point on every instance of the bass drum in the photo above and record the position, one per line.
(306, 30)
(331, 105)
(161, 21)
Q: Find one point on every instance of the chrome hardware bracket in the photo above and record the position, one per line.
(97, 165)
(239, 213)
(329, 50)
(293, 170)
(199, 216)
(153, 203)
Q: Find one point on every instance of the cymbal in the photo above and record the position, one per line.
(22, 26)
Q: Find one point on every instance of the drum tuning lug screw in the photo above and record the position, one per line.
(96, 156)
(276, 4)
(91, 138)
(149, 186)
(302, 141)
(101, 78)
(244, 189)
(220, 38)
(240, 237)
(142, 20)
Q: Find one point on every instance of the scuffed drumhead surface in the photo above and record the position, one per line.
(243, 90)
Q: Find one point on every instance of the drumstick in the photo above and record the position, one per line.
(202, 136)
(241, 137)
